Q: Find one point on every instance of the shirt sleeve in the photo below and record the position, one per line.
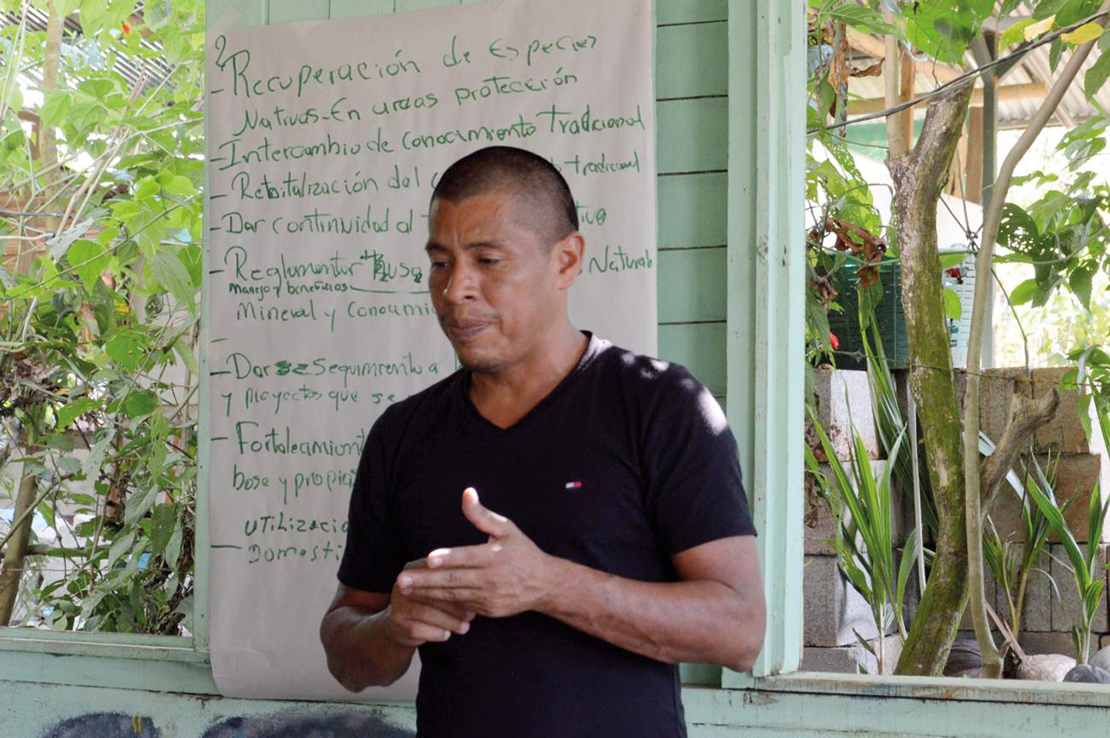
(695, 493)
(372, 556)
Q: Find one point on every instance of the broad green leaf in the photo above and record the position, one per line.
(1015, 33)
(172, 274)
(177, 185)
(1096, 75)
(947, 261)
(121, 546)
(1036, 28)
(1080, 282)
(187, 355)
(139, 404)
(1083, 34)
(125, 349)
(89, 259)
(139, 503)
(161, 528)
(952, 307)
(75, 409)
(61, 242)
(859, 16)
(91, 466)
(173, 546)
(55, 107)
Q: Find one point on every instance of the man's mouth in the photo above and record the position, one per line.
(464, 330)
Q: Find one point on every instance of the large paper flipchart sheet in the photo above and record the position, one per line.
(325, 141)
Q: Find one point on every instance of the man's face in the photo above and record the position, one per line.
(495, 284)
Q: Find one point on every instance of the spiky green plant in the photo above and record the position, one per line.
(866, 551)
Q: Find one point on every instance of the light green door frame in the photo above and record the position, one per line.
(766, 291)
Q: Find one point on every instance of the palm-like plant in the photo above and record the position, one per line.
(1083, 563)
(866, 552)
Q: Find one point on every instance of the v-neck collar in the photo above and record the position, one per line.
(594, 346)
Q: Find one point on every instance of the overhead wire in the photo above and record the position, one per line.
(978, 71)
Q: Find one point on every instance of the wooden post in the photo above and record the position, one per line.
(909, 73)
(973, 165)
(766, 305)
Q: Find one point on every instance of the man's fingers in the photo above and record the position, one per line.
(464, 597)
(418, 580)
(483, 519)
(463, 557)
(453, 609)
(418, 564)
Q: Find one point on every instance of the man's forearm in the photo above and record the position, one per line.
(360, 651)
(687, 621)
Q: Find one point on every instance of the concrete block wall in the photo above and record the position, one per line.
(834, 611)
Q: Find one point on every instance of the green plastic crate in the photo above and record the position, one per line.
(892, 320)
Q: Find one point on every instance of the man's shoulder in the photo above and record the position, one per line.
(639, 373)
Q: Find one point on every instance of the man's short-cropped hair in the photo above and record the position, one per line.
(543, 193)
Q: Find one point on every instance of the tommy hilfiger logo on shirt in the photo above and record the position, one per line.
(574, 485)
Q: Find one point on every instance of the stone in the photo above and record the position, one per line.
(965, 658)
(1085, 673)
(1066, 611)
(1048, 667)
(834, 610)
(843, 399)
(1102, 658)
(1076, 476)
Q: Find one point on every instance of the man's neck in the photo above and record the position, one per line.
(505, 397)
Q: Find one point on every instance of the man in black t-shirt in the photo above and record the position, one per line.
(621, 544)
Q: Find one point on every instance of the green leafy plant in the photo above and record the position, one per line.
(1013, 562)
(866, 551)
(1083, 561)
(101, 217)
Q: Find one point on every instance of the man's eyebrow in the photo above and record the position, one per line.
(434, 246)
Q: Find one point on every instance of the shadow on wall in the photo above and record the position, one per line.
(105, 725)
(299, 726)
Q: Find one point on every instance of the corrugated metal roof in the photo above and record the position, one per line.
(1032, 68)
(147, 72)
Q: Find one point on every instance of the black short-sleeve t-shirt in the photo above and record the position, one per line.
(628, 461)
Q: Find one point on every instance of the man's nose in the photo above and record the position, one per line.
(461, 283)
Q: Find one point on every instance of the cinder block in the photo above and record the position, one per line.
(1076, 475)
(1063, 433)
(1060, 643)
(843, 399)
(1066, 612)
(838, 660)
(834, 610)
(1036, 615)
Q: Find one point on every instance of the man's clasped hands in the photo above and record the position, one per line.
(440, 594)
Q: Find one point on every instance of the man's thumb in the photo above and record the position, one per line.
(484, 520)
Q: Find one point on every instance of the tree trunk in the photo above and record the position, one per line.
(15, 552)
(919, 177)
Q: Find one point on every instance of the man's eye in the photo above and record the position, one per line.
(436, 265)
(489, 261)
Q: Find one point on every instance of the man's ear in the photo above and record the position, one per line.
(568, 255)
